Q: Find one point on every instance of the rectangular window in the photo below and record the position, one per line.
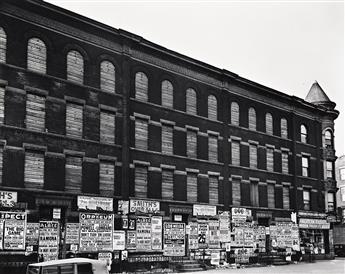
(270, 195)
(213, 148)
(35, 112)
(269, 158)
(140, 181)
(34, 170)
(342, 174)
(236, 192)
(342, 193)
(235, 153)
(167, 139)
(141, 133)
(106, 178)
(192, 187)
(191, 144)
(74, 120)
(254, 193)
(167, 184)
(73, 174)
(306, 199)
(213, 190)
(305, 166)
(253, 156)
(286, 197)
(1, 163)
(107, 127)
(329, 170)
(330, 201)
(285, 162)
(2, 105)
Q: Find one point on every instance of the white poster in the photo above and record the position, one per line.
(144, 233)
(72, 233)
(119, 240)
(8, 198)
(32, 233)
(14, 230)
(193, 236)
(174, 239)
(144, 206)
(49, 240)
(156, 233)
(95, 203)
(204, 210)
(224, 227)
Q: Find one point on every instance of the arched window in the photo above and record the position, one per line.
(107, 75)
(3, 42)
(212, 107)
(75, 67)
(304, 134)
(141, 86)
(283, 128)
(37, 55)
(328, 138)
(191, 101)
(269, 124)
(235, 114)
(252, 119)
(167, 94)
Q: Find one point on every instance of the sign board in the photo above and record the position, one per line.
(96, 232)
(119, 240)
(8, 198)
(144, 233)
(202, 235)
(95, 203)
(313, 223)
(156, 232)
(57, 213)
(240, 214)
(174, 239)
(32, 234)
(144, 206)
(14, 230)
(204, 210)
(131, 241)
(193, 236)
(72, 233)
(49, 240)
(123, 207)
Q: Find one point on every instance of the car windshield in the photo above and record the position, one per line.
(32, 270)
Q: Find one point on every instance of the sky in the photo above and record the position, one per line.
(285, 45)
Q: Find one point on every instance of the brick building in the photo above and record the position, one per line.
(89, 110)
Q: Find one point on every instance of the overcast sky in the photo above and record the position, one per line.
(284, 45)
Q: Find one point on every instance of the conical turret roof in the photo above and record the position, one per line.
(316, 95)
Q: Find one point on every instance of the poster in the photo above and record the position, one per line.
(8, 198)
(224, 227)
(105, 257)
(240, 214)
(174, 239)
(248, 235)
(156, 233)
(260, 237)
(144, 206)
(14, 230)
(95, 203)
(203, 235)
(72, 233)
(1, 233)
(204, 210)
(238, 236)
(49, 240)
(122, 207)
(131, 242)
(193, 236)
(32, 233)
(213, 226)
(119, 240)
(96, 232)
(144, 233)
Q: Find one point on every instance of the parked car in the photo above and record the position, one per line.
(69, 266)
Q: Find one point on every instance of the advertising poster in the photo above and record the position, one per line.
(8, 198)
(144, 233)
(96, 232)
(119, 240)
(260, 236)
(14, 230)
(224, 227)
(248, 235)
(193, 236)
(204, 210)
(174, 239)
(123, 207)
(144, 206)
(131, 242)
(49, 240)
(72, 233)
(95, 203)
(32, 233)
(156, 234)
(202, 235)
(295, 237)
(213, 234)
(1, 233)
(238, 236)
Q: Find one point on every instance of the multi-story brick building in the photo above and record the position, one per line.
(89, 110)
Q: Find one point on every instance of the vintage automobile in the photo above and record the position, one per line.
(69, 266)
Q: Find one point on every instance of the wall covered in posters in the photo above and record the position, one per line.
(174, 239)
(49, 237)
(144, 233)
(14, 230)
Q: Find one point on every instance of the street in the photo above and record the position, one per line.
(336, 266)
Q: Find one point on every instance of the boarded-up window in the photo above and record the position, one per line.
(254, 193)
(141, 127)
(191, 101)
(75, 67)
(2, 105)
(106, 178)
(192, 187)
(141, 86)
(213, 190)
(285, 162)
(235, 114)
(74, 120)
(269, 158)
(35, 112)
(235, 153)
(73, 174)
(236, 192)
(304, 134)
(270, 195)
(252, 119)
(107, 127)
(34, 170)
(3, 43)
(283, 128)
(269, 124)
(212, 107)
(286, 197)
(140, 181)
(167, 184)
(167, 94)
(167, 139)
(253, 156)
(107, 81)
(191, 143)
(1, 162)
(37, 55)
(213, 148)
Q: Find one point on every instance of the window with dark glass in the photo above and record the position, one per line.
(37, 55)
(141, 86)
